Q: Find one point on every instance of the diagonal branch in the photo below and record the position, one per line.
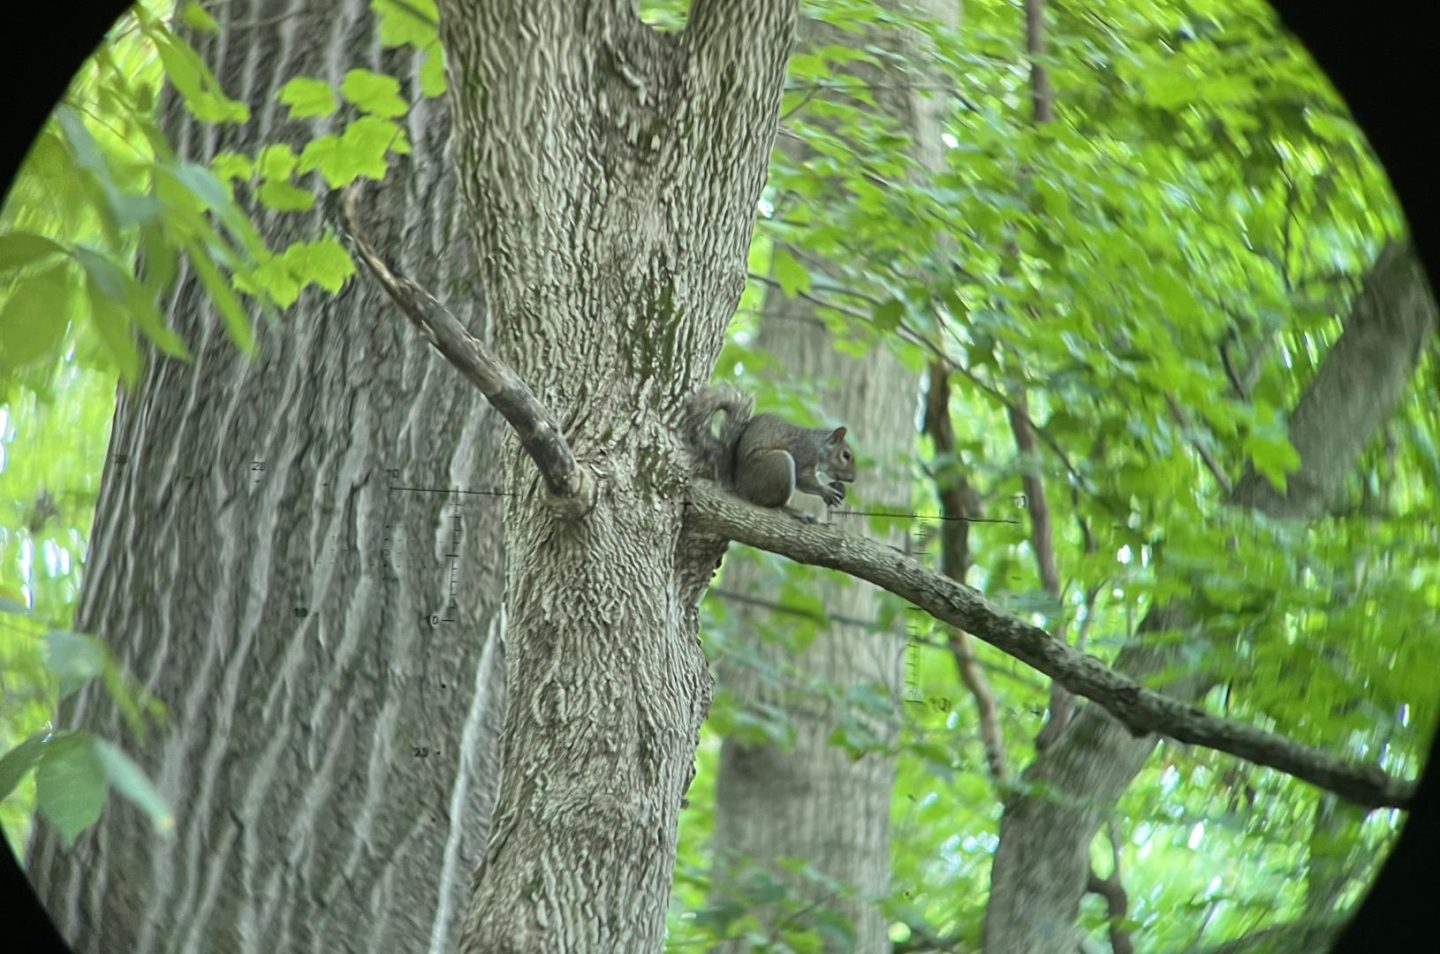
(1358, 386)
(1206, 455)
(539, 434)
(1143, 711)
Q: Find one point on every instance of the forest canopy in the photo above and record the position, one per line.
(1163, 353)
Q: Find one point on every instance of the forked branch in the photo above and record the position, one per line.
(539, 434)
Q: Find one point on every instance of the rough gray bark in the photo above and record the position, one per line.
(611, 174)
(331, 757)
(813, 800)
(1040, 867)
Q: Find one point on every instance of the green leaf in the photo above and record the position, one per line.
(1331, 126)
(196, 84)
(160, 260)
(114, 207)
(887, 316)
(130, 780)
(122, 290)
(371, 134)
(18, 249)
(792, 276)
(73, 659)
(34, 318)
(374, 93)
(19, 760)
(834, 930)
(359, 151)
(1273, 455)
(70, 784)
(196, 16)
(327, 154)
(274, 278)
(81, 144)
(808, 66)
(284, 197)
(229, 166)
(413, 22)
(324, 262)
(215, 195)
(276, 161)
(237, 320)
(307, 96)
(432, 72)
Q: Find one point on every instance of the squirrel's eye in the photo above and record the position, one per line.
(847, 455)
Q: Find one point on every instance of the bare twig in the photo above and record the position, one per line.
(1292, 195)
(809, 95)
(815, 299)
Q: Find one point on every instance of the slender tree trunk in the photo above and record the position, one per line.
(331, 756)
(1042, 861)
(813, 800)
(611, 173)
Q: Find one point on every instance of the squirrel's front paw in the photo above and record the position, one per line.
(833, 493)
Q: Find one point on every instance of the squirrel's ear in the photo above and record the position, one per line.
(837, 435)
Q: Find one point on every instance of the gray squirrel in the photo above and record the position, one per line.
(764, 458)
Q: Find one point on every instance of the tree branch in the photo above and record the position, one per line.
(958, 501)
(1117, 902)
(1357, 387)
(1208, 458)
(1042, 535)
(714, 512)
(539, 434)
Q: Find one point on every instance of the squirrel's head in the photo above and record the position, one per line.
(843, 459)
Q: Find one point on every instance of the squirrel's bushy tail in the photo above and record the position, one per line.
(717, 451)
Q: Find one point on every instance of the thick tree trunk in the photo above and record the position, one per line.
(611, 172)
(331, 756)
(1042, 861)
(813, 800)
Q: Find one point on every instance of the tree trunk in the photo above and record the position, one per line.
(1042, 861)
(813, 800)
(611, 173)
(330, 755)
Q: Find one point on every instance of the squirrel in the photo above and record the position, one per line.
(764, 458)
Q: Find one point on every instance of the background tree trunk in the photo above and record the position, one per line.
(1042, 861)
(330, 755)
(814, 800)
